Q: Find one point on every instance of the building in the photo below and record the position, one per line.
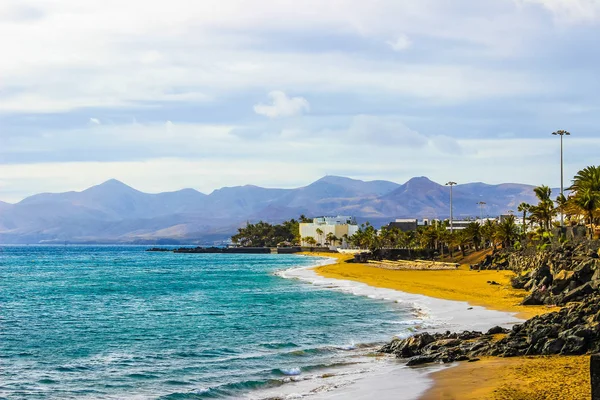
(322, 227)
(405, 225)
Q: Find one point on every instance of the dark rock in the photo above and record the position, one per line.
(418, 360)
(578, 293)
(496, 330)
(553, 346)
(534, 299)
(574, 345)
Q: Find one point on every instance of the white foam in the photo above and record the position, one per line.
(430, 313)
(390, 379)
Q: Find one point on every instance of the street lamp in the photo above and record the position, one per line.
(451, 218)
(561, 133)
(481, 204)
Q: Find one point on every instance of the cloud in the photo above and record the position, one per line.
(283, 106)
(572, 11)
(401, 43)
(446, 144)
(94, 121)
(374, 130)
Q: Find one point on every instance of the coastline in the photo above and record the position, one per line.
(430, 292)
(429, 313)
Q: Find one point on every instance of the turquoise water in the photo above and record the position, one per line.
(119, 322)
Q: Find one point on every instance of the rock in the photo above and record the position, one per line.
(578, 293)
(574, 345)
(561, 281)
(418, 360)
(534, 299)
(496, 330)
(553, 346)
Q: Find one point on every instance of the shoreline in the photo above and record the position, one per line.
(526, 378)
(430, 314)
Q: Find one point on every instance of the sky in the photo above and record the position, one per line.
(165, 95)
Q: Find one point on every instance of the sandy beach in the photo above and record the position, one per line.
(491, 378)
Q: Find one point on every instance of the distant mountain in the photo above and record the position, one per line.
(113, 212)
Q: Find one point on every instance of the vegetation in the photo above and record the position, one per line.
(582, 206)
(263, 234)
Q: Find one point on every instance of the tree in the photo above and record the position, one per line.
(309, 240)
(331, 238)
(488, 231)
(585, 198)
(473, 233)
(462, 239)
(587, 202)
(507, 232)
(320, 233)
(544, 211)
(587, 178)
(524, 208)
(304, 219)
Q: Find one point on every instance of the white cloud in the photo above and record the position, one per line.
(401, 43)
(168, 156)
(283, 106)
(130, 52)
(94, 121)
(571, 10)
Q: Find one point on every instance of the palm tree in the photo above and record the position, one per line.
(524, 208)
(588, 204)
(585, 197)
(544, 211)
(487, 232)
(320, 233)
(463, 239)
(506, 231)
(589, 177)
(331, 238)
(309, 240)
(473, 232)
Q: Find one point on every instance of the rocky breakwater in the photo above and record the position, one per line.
(573, 330)
(558, 276)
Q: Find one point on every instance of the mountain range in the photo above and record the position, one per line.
(113, 212)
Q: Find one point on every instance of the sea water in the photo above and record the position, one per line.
(119, 322)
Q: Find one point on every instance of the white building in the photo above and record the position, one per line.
(322, 227)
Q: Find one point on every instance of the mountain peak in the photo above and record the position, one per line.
(420, 182)
(111, 185)
(334, 179)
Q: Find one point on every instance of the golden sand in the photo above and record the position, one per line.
(519, 378)
(461, 284)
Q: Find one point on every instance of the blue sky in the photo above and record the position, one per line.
(204, 94)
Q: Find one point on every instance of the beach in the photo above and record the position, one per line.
(557, 377)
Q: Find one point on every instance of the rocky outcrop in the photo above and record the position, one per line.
(558, 276)
(575, 329)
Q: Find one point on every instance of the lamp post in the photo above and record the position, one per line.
(561, 133)
(481, 204)
(451, 214)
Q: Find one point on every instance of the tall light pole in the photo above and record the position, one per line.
(561, 133)
(451, 214)
(481, 204)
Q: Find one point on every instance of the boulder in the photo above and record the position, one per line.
(418, 360)
(561, 281)
(574, 345)
(553, 346)
(496, 330)
(578, 293)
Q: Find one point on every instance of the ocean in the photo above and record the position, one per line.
(114, 322)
